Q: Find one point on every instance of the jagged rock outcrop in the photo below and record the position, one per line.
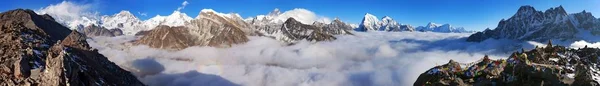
(551, 65)
(93, 30)
(74, 62)
(31, 54)
(293, 30)
(336, 27)
(529, 24)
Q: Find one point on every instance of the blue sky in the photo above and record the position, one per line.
(471, 14)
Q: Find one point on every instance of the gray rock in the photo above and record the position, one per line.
(31, 54)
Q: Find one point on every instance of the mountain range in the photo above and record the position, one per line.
(528, 24)
(370, 22)
(216, 29)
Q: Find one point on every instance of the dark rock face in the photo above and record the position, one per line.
(166, 37)
(31, 54)
(116, 32)
(293, 30)
(301, 31)
(336, 27)
(30, 19)
(93, 30)
(74, 62)
(141, 33)
(219, 31)
(529, 24)
(552, 65)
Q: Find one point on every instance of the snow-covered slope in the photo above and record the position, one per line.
(369, 23)
(276, 17)
(175, 19)
(445, 28)
(125, 21)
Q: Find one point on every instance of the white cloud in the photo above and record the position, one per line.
(373, 58)
(185, 3)
(303, 15)
(71, 14)
(582, 44)
(143, 14)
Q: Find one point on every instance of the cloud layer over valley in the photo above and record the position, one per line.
(372, 58)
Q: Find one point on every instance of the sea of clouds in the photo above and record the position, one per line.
(363, 59)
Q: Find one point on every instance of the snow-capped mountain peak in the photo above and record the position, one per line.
(228, 15)
(526, 10)
(275, 12)
(175, 19)
(276, 17)
(387, 24)
(444, 28)
(369, 23)
(125, 13)
(386, 20)
(125, 21)
(176, 15)
(432, 25)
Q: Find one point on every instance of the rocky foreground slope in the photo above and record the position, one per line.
(32, 53)
(550, 65)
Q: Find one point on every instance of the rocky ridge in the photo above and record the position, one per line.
(550, 65)
(32, 54)
(528, 24)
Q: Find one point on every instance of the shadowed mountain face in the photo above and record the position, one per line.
(294, 30)
(166, 37)
(529, 24)
(551, 65)
(41, 23)
(93, 30)
(31, 54)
